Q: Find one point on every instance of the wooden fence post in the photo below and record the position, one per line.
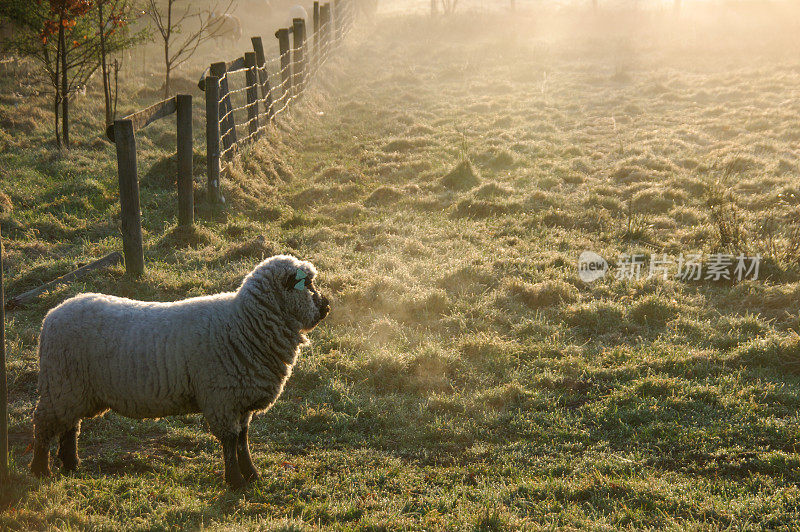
(4, 477)
(263, 76)
(212, 138)
(299, 60)
(315, 53)
(228, 127)
(286, 66)
(130, 211)
(252, 94)
(338, 20)
(183, 104)
(325, 32)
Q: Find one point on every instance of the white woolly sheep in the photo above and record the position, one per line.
(225, 356)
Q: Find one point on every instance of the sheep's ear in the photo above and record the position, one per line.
(289, 282)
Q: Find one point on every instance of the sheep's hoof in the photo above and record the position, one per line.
(252, 476)
(69, 465)
(236, 485)
(40, 469)
(235, 482)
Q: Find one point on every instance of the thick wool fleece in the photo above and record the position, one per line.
(225, 355)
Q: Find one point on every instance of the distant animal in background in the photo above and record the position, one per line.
(295, 12)
(298, 12)
(224, 27)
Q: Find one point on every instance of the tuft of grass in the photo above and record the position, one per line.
(653, 310)
(463, 177)
(475, 208)
(406, 144)
(383, 196)
(542, 294)
(193, 236)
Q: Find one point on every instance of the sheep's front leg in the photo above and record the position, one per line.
(246, 466)
(233, 476)
(225, 426)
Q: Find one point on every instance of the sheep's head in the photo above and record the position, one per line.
(286, 284)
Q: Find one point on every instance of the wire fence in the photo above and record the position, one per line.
(244, 96)
(242, 99)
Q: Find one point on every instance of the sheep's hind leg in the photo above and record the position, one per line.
(40, 465)
(68, 448)
(45, 429)
(248, 470)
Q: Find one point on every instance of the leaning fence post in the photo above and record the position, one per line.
(3, 383)
(299, 35)
(183, 104)
(130, 212)
(263, 75)
(286, 66)
(315, 53)
(220, 71)
(212, 138)
(252, 94)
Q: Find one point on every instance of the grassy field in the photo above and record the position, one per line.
(444, 177)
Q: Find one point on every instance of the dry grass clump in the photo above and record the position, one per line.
(193, 236)
(497, 159)
(596, 317)
(406, 144)
(340, 174)
(467, 279)
(257, 248)
(5, 204)
(778, 353)
(475, 208)
(463, 177)
(383, 196)
(541, 294)
(491, 190)
(505, 396)
(657, 200)
(323, 194)
(653, 310)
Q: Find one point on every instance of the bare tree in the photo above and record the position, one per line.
(170, 18)
(113, 20)
(448, 6)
